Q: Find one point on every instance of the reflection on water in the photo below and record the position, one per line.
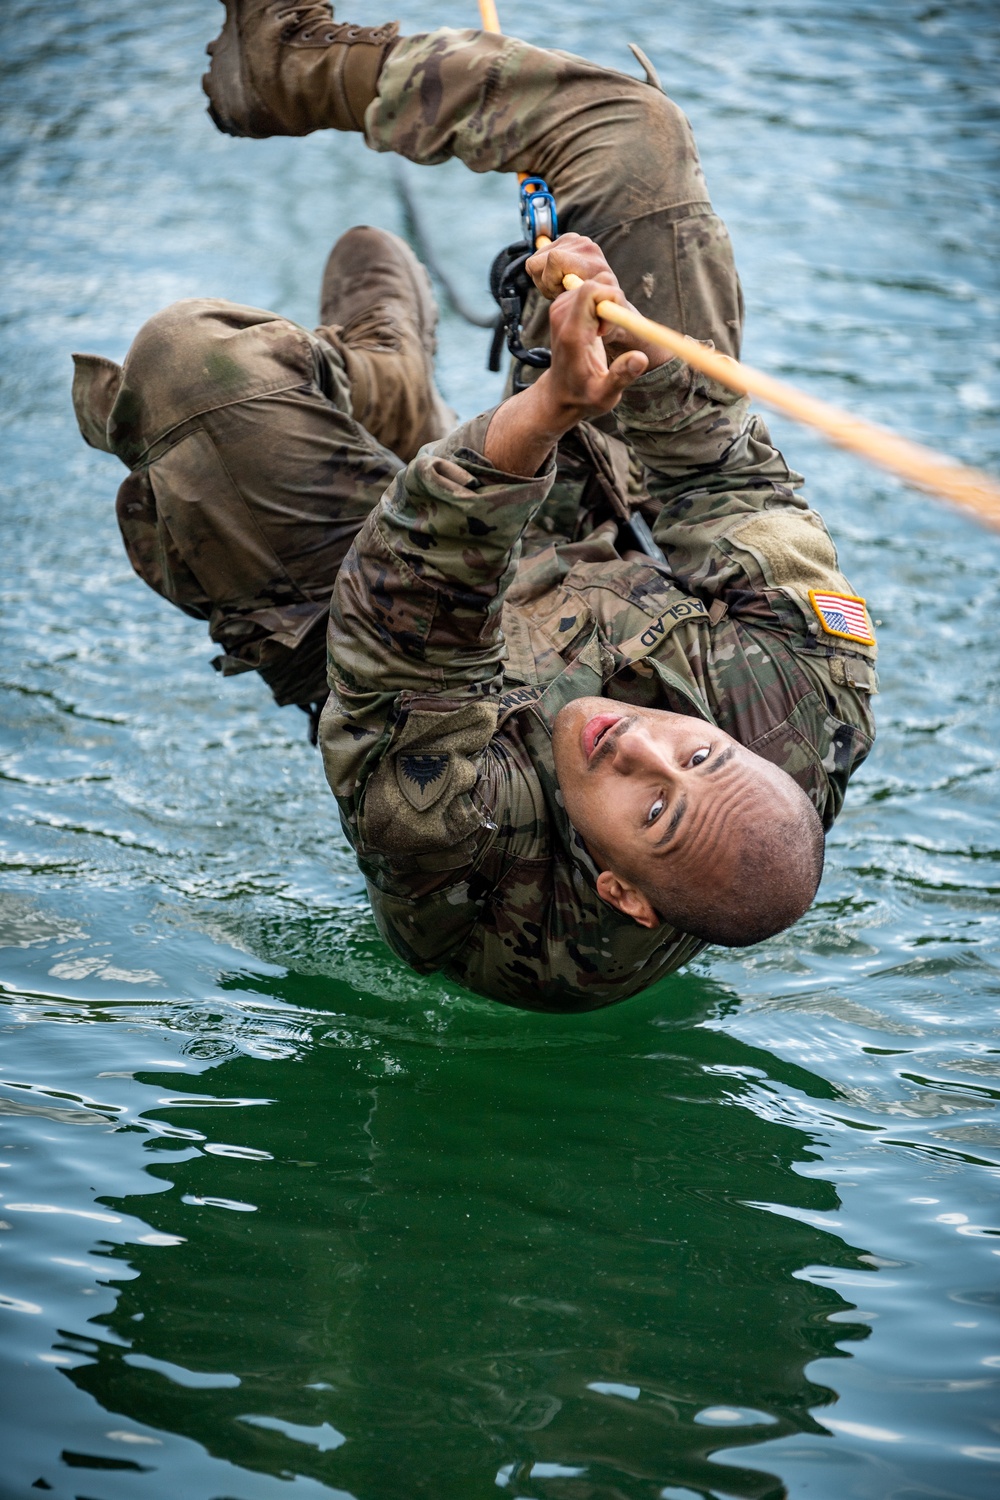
(438, 1241)
(278, 1217)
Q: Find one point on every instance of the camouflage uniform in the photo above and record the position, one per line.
(619, 156)
(249, 478)
(246, 532)
(450, 659)
(473, 604)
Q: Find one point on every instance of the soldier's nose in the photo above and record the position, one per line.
(636, 751)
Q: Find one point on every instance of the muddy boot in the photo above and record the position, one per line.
(284, 69)
(377, 307)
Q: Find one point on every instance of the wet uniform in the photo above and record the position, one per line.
(449, 660)
(473, 604)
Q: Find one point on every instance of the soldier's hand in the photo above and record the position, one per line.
(575, 254)
(581, 378)
(578, 385)
(570, 253)
(582, 382)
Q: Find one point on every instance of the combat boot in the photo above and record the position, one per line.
(283, 69)
(378, 309)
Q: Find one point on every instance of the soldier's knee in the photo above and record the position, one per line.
(197, 355)
(180, 334)
(656, 136)
(654, 111)
(163, 353)
(189, 313)
(631, 154)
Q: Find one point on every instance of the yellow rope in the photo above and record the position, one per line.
(488, 15)
(924, 468)
(919, 466)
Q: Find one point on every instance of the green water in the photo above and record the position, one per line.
(278, 1217)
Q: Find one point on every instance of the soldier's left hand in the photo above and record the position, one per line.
(581, 378)
(574, 254)
(569, 254)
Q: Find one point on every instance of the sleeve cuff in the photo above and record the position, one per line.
(470, 435)
(465, 446)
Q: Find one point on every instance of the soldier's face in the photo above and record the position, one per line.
(641, 785)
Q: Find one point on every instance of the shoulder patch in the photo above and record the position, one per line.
(843, 615)
(423, 779)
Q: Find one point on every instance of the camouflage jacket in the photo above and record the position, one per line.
(453, 644)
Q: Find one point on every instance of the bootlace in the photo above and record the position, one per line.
(301, 20)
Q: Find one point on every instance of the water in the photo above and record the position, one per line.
(278, 1217)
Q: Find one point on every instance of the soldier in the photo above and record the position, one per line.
(563, 770)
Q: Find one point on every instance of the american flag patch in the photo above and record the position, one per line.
(844, 615)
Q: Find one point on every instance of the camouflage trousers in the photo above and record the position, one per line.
(249, 475)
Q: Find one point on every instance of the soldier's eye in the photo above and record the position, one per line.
(655, 810)
(700, 755)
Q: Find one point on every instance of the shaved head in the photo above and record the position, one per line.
(758, 876)
(687, 825)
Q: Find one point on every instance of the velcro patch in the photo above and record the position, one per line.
(423, 779)
(843, 615)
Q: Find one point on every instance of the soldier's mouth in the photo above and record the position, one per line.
(595, 731)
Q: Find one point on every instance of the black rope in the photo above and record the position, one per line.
(312, 712)
(417, 232)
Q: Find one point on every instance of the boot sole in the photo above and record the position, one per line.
(420, 286)
(231, 104)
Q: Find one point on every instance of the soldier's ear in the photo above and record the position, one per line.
(626, 898)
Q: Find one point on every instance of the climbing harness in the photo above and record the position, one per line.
(510, 285)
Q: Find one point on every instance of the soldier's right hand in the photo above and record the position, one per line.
(583, 379)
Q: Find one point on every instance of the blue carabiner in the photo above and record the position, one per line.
(538, 211)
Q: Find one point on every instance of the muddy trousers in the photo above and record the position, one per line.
(249, 473)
